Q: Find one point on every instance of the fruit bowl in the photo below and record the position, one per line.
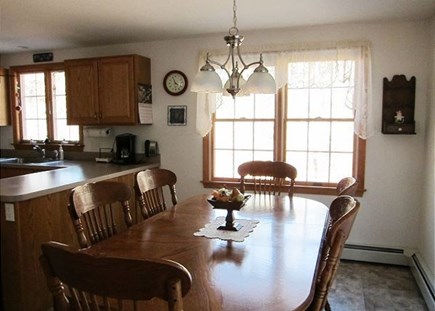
(232, 205)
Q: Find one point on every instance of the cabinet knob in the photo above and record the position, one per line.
(100, 115)
(95, 116)
(399, 129)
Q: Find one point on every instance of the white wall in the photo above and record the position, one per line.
(426, 239)
(394, 172)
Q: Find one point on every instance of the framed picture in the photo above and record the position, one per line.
(177, 115)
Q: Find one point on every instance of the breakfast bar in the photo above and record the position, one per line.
(34, 210)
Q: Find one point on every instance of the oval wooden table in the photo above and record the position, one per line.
(272, 269)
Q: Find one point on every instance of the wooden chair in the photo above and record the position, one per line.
(269, 177)
(94, 208)
(342, 213)
(347, 185)
(151, 185)
(79, 281)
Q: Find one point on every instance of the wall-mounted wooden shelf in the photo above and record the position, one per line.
(398, 95)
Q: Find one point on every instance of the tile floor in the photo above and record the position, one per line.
(374, 287)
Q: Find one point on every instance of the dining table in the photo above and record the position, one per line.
(272, 266)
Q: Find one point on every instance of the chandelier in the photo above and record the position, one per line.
(208, 81)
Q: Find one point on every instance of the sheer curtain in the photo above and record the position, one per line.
(278, 58)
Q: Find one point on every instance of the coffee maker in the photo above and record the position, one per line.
(125, 149)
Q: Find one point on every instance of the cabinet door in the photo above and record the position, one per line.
(116, 90)
(82, 91)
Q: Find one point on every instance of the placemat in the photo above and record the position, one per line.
(210, 230)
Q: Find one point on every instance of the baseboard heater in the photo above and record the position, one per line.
(392, 256)
(423, 280)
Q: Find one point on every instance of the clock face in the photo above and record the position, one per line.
(175, 82)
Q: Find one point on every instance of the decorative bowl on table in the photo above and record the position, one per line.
(234, 205)
(230, 206)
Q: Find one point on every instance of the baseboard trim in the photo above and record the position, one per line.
(392, 256)
(424, 279)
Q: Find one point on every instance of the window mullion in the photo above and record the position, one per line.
(280, 124)
(49, 104)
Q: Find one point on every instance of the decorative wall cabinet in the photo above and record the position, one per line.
(104, 90)
(398, 105)
(4, 98)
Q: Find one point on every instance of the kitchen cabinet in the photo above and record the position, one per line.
(104, 91)
(4, 98)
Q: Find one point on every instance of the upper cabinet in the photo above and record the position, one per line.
(4, 98)
(105, 90)
(398, 105)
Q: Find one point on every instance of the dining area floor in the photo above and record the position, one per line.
(363, 286)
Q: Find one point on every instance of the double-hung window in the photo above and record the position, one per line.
(309, 123)
(39, 106)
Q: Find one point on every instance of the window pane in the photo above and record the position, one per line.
(341, 165)
(33, 106)
(225, 108)
(264, 106)
(318, 136)
(239, 158)
(223, 135)
(342, 136)
(244, 107)
(263, 135)
(342, 99)
(320, 103)
(243, 135)
(318, 166)
(263, 155)
(297, 135)
(298, 160)
(223, 163)
(298, 103)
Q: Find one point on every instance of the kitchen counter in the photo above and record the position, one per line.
(63, 175)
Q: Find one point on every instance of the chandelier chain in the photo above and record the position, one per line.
(235, 14)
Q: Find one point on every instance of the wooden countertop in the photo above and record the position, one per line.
(68, 175)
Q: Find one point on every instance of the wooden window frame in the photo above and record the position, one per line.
(17, 124)
(358, 165)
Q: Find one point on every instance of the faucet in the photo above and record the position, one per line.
(40, 150)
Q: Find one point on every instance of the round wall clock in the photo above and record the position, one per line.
(175, 82)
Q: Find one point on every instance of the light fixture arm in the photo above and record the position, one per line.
(233, 41)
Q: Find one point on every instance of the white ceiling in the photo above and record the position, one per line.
(43, 25)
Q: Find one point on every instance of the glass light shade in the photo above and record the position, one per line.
(261, 83)
(242, 85)
(206, 82)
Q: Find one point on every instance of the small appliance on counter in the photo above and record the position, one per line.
(125, 149)
(151, 148)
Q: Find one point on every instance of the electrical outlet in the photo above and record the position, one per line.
(10, 212)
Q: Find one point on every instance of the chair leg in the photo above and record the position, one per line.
(327, 306)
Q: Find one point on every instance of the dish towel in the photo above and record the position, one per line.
(210, 230)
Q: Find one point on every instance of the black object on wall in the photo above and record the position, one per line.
(398, 105)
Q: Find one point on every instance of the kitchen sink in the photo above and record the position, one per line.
(32, 160)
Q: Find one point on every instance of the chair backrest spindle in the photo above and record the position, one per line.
(150, 185)
(79, 281)
(92, 209)
(268, 177)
